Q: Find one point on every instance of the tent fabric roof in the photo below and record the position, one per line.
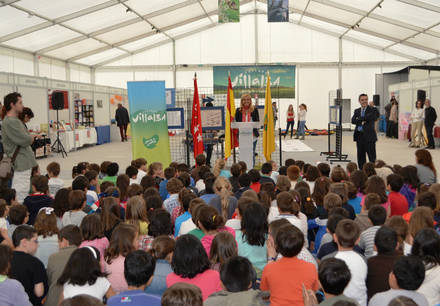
(94, 32)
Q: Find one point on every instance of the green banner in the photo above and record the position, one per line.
(253, 79)
(228, 11)
(148, 119)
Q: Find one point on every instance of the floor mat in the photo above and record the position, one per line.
(295, 145)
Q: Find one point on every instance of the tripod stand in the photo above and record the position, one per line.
(58, 144)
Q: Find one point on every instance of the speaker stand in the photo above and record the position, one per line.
(58, 144)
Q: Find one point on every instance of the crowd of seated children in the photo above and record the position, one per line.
(297, 235)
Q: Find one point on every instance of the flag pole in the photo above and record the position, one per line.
(231, 131)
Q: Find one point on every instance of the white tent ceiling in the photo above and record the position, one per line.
(97, 32)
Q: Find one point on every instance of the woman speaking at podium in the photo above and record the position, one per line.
(248, 113)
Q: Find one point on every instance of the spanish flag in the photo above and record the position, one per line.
(230, 139)
(269, 129)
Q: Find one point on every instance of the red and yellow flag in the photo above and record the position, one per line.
(269, 129)
(230, 134)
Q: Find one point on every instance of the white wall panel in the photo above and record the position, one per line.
(356, 81)
(115, 79)
(166, 76)
(36, 99)
(79, 73)
(352, 52)
(102, 115)
(185, 79)
(23, 63)
(314, 86)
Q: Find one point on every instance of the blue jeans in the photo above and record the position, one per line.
(301, 131)
(253, 154)
(290, 124)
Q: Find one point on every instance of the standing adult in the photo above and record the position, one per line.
(122, 119)
(394, 119)
(430, 118)
(290, 121)
(387, 109)
(302, 113)
(365, 136)
(15, 136)
(416, 125)
(248, 113)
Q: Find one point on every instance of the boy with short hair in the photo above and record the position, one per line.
(39, 197)
(362, 219)
(236, 276)
(245, 181)
(141, 165)
(174, 186)
(69, 239)
(112, 173)
(277, 276)
(346, 236)
(380, 266)
(77, 202)
(398, 202)
(169, 173)
(334, 276)
(55, 183)
(26, 268)
(82, 183)
(18, 215)
(132, 172)
(407, 276)
(138, 272)
(377, 215)
(266, 171)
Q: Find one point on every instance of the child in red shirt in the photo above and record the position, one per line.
(285, 277)
(398, 202)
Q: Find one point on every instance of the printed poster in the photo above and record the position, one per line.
(148, 120)
(228, 11)
(278, 10)
(253, 79)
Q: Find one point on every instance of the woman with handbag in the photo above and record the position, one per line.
(17, 143)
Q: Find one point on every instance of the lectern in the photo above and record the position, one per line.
(246, 140)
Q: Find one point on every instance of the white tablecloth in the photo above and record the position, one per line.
(76, 139)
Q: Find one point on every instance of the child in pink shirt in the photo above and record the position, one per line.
(93, 234)
(211, 223)
(190, 265)
(124, 240)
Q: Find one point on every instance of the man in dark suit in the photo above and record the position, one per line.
(430, 118)
(122, 120)
(365, 133)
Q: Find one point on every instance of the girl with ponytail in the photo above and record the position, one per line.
(224, 201)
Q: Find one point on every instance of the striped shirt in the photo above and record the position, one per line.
(367, 240)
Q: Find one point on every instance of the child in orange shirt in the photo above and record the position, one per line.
(285, 277)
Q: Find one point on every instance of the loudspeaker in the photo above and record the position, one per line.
(57, 100)
(376, 100)
(421, 95)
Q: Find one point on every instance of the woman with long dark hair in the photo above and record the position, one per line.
(191, 265)
(82, 275)
(251, 239)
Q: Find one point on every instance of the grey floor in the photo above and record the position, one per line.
(391, 151)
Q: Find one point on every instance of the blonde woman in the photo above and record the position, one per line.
(248, 113)
(224, 202)
(290, 121)
(417, 125)
(219, 168)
